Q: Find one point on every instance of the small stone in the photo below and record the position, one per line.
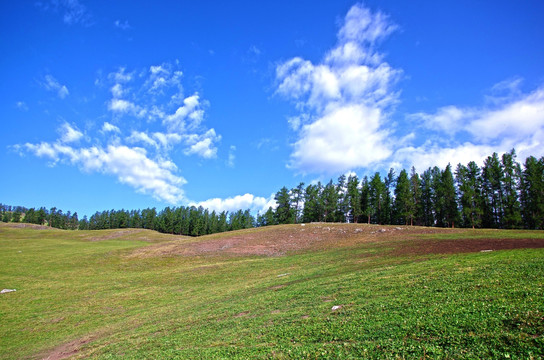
(383, 230)
(281, 275)
(336, 307)
(486, 250)
(4, 291)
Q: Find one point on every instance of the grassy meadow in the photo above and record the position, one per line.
(317, 291)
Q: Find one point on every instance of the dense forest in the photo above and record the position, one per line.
(500, 194)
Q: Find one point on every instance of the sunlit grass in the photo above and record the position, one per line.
(478, 305)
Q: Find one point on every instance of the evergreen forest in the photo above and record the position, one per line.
(500, 194)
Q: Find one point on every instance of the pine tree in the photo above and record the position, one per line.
(298, 196)
(532, 193)
(510, 183)
(415, 191)
(426, 204)
(403, 200)
(451, 213)
(492, 191)
(285, 213)
(469, 188)
(353, 199)
(366, 208)
(377, 196)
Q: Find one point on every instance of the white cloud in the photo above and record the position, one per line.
(51, 84)
(429, 155)
(142, 159)
(202, 145)
(117, 90)
(232, 156)
(123, 25)
(239, 202)
(362, 26)
(73, 12)
(343, 100)
(120, 76)
(130, 165)
(122, 106)
(518, 119)
(191, 110)
(449, 119)
(511, 121)
(21, 105)
(107, 127)
(69, 134)
(344, 138)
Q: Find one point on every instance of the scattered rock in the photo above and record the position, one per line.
(336, 307)
(281, 275)
(4, 291)
(398, 228)
(382, 230)
(358, 230)
(486, 250)
(302, 224)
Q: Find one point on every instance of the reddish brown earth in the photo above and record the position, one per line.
(422, 247)
(280, 240)
(66, 350)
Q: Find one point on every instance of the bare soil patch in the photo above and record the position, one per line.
(424, 247)
(271, 241)
(283, 239)
(66, 350)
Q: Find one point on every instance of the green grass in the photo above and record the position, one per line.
(115, 306)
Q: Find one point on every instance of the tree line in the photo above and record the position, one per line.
(192, 221)
(500, 194)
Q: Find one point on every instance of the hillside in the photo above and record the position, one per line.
(291, 291)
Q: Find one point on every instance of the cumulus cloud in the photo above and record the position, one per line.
(107, 127)
(140, 100)
(515, 120)
(51, 84)
(130, 165)
(203, 145)
(246, 201)
(69, 134)
(343, 100)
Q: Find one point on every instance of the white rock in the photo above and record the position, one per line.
(336, 307)
(7, 291)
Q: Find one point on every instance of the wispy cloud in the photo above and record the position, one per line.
(72, 11)
(139, 98)
(343, 100)
(232, 156)
(130, 165)
(69, 134)
(21, 105)
(512, 120)
(123, 25)
(51, 84)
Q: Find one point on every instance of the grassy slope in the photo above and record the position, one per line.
(84, 298)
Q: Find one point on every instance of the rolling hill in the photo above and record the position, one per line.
(292, 291)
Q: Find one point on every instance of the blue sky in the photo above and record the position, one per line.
(131, 104)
